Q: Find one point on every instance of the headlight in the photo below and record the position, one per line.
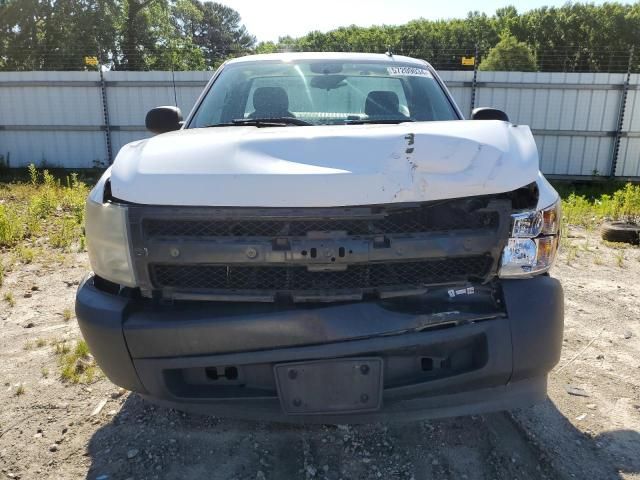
(533, 244)
(107, 241)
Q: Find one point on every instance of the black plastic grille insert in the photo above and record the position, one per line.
(408, 220)
(299, 278)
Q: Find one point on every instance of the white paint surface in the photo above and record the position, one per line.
(323, 166)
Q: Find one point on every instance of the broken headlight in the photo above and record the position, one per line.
(107, 239)
(533, 244)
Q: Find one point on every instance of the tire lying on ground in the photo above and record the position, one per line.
(621, 232)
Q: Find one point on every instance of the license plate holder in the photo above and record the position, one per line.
(330, 386)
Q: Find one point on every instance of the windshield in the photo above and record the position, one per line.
(322, 93)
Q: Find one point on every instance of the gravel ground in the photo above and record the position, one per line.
(589, 428)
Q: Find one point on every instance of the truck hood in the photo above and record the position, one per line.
(325, 166)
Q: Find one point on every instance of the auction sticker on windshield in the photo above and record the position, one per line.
(409, 71)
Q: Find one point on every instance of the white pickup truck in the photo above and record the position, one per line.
(325, 238)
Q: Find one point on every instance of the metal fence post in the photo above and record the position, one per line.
(105, 115)
(474, 81)
(623, 105)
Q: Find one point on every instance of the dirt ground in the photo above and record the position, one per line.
(589, 427)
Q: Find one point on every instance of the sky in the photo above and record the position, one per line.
(270, 19)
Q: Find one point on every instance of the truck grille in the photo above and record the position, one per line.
(405, 221)
(261, 253)
(225, 277)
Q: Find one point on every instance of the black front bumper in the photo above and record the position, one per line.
(218, 358)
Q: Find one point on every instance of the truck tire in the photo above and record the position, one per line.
(625, 232)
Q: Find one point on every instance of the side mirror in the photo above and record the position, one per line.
(163, 119)
(488, 113)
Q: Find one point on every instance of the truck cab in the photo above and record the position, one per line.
(325, 238)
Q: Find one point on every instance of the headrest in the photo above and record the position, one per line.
(381, 102)
(270, 99)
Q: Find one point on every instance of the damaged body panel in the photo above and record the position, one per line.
(325, 239)
(325, 166)
(317, 254)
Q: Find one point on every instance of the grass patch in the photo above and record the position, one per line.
(615, 245)
(40, 342)
(588, 208)
(67, 314)
(25, 254)
(60, 347)
(44, 372)
(20, 390)
(11, 226)
(77, 365)
(8, 297)
(43, 206)
(572, 252)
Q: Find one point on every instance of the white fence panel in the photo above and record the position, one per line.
(629, 157)
(131, 95)
(573, 115)
(459, 84)
(46, 117)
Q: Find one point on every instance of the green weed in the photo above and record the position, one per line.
(11, 227)
(25, 254)
(60, 347)
(42, 207)
(8, 297)
(78, 366)
(65, 231)
(572, 252)
(621, 204)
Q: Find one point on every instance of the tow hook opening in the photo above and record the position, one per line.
(217, 373)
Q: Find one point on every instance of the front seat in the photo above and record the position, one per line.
(270, 102)
(382, 103)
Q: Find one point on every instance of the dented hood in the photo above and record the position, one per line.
(324, 166)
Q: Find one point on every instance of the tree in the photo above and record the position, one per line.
(54, 35)
(216, 30)
(509, 55)
(197, 34)
(139, 37)
(266, 47)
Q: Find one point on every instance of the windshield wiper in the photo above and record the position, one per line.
(263, 122)
(362, 121)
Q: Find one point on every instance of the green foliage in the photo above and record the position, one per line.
(9, 298)
(623, 204)
(509, 55)
(127, 34)
(197, 34)
(11, 227)
(77, 365)
(574, 37)
(42, 206)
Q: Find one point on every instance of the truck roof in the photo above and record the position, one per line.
(338, 56)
